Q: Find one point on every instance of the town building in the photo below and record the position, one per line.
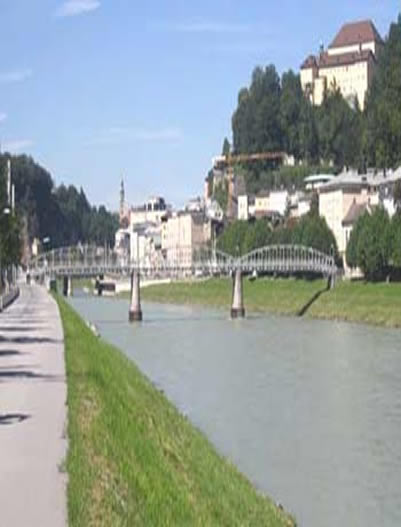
(154, 210)
(270, 204)
(317, 180)
(348, 64)
(342, 199)
(184, 233)
(146, 243)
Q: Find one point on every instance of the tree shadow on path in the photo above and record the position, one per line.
(29, 340)
(10, 353)
(13, 374)
(12, 419)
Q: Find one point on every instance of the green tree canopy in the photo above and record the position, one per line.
(370, 245)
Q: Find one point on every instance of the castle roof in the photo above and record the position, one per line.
(356, 33)
(345, 59)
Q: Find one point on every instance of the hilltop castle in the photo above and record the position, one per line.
(349, 64)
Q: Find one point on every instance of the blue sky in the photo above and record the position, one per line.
(94, 89)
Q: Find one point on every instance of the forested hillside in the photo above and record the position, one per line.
(62, 214)
(273, 114)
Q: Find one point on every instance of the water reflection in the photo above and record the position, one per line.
(310, 411)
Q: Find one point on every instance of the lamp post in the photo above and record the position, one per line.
(6, 212)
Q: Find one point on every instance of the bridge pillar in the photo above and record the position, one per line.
(331, 283)
(135, 311)
(237, 308)
(99, 286)
(53, 284)
(67, 286)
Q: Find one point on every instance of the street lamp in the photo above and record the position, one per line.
(6, 212)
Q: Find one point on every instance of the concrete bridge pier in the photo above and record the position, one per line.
(237, 309)
(331, 282)
(135, 311)
(67, 286)
(99, 284)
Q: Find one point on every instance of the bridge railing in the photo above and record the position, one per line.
(182, 261)
(88, 260)
(288, 259)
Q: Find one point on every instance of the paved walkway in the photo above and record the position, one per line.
(32, 412)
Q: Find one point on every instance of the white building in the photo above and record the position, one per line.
(265, 203)
(336, 199)
(278, 201)
(348, 64)
(184, 233)
(153, 211)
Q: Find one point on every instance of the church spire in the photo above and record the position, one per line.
(122, 199)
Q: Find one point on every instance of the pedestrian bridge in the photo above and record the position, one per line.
(88, 261)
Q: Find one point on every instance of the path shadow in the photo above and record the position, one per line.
(27, 374)
(12, 419)
(19, 329)
(29, 340)
(10, 353)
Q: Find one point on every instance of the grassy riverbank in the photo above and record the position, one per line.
(378, 304)
(277, 296)
(133, 460)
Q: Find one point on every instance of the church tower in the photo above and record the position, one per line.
(122, 200)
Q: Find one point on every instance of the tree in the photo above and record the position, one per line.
(61, 213)
(259, 234)
(256, 122)
(351, 254)
(396, 240)
(232, 241)
(290, 112)
(397, 195)
(371, 244)
(339, 129)
(383, 110)
(313, 231)
(221, 195)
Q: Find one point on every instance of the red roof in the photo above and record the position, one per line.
(356, 33)
(324, 60)
(329, 61)
(310, 62)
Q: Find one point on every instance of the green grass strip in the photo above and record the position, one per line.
(285, 297)
(377, 304)
(133, 460)
(369, 303)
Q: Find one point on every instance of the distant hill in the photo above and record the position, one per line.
(61, 213)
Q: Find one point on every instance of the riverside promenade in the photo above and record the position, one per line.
(32, 412)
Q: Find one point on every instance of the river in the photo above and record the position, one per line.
(310, 411)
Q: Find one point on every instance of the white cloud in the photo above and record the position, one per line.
(118, 134)
(3, 117)
(17, 146)
(15, 76)
(77, 7)
(204, 27)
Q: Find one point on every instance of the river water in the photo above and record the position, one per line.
(310, 411)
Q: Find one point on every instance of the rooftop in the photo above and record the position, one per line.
(355, 212)
(317, 178)
(324, 60)
(356, 33)
(328, 61)
(352, 179)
